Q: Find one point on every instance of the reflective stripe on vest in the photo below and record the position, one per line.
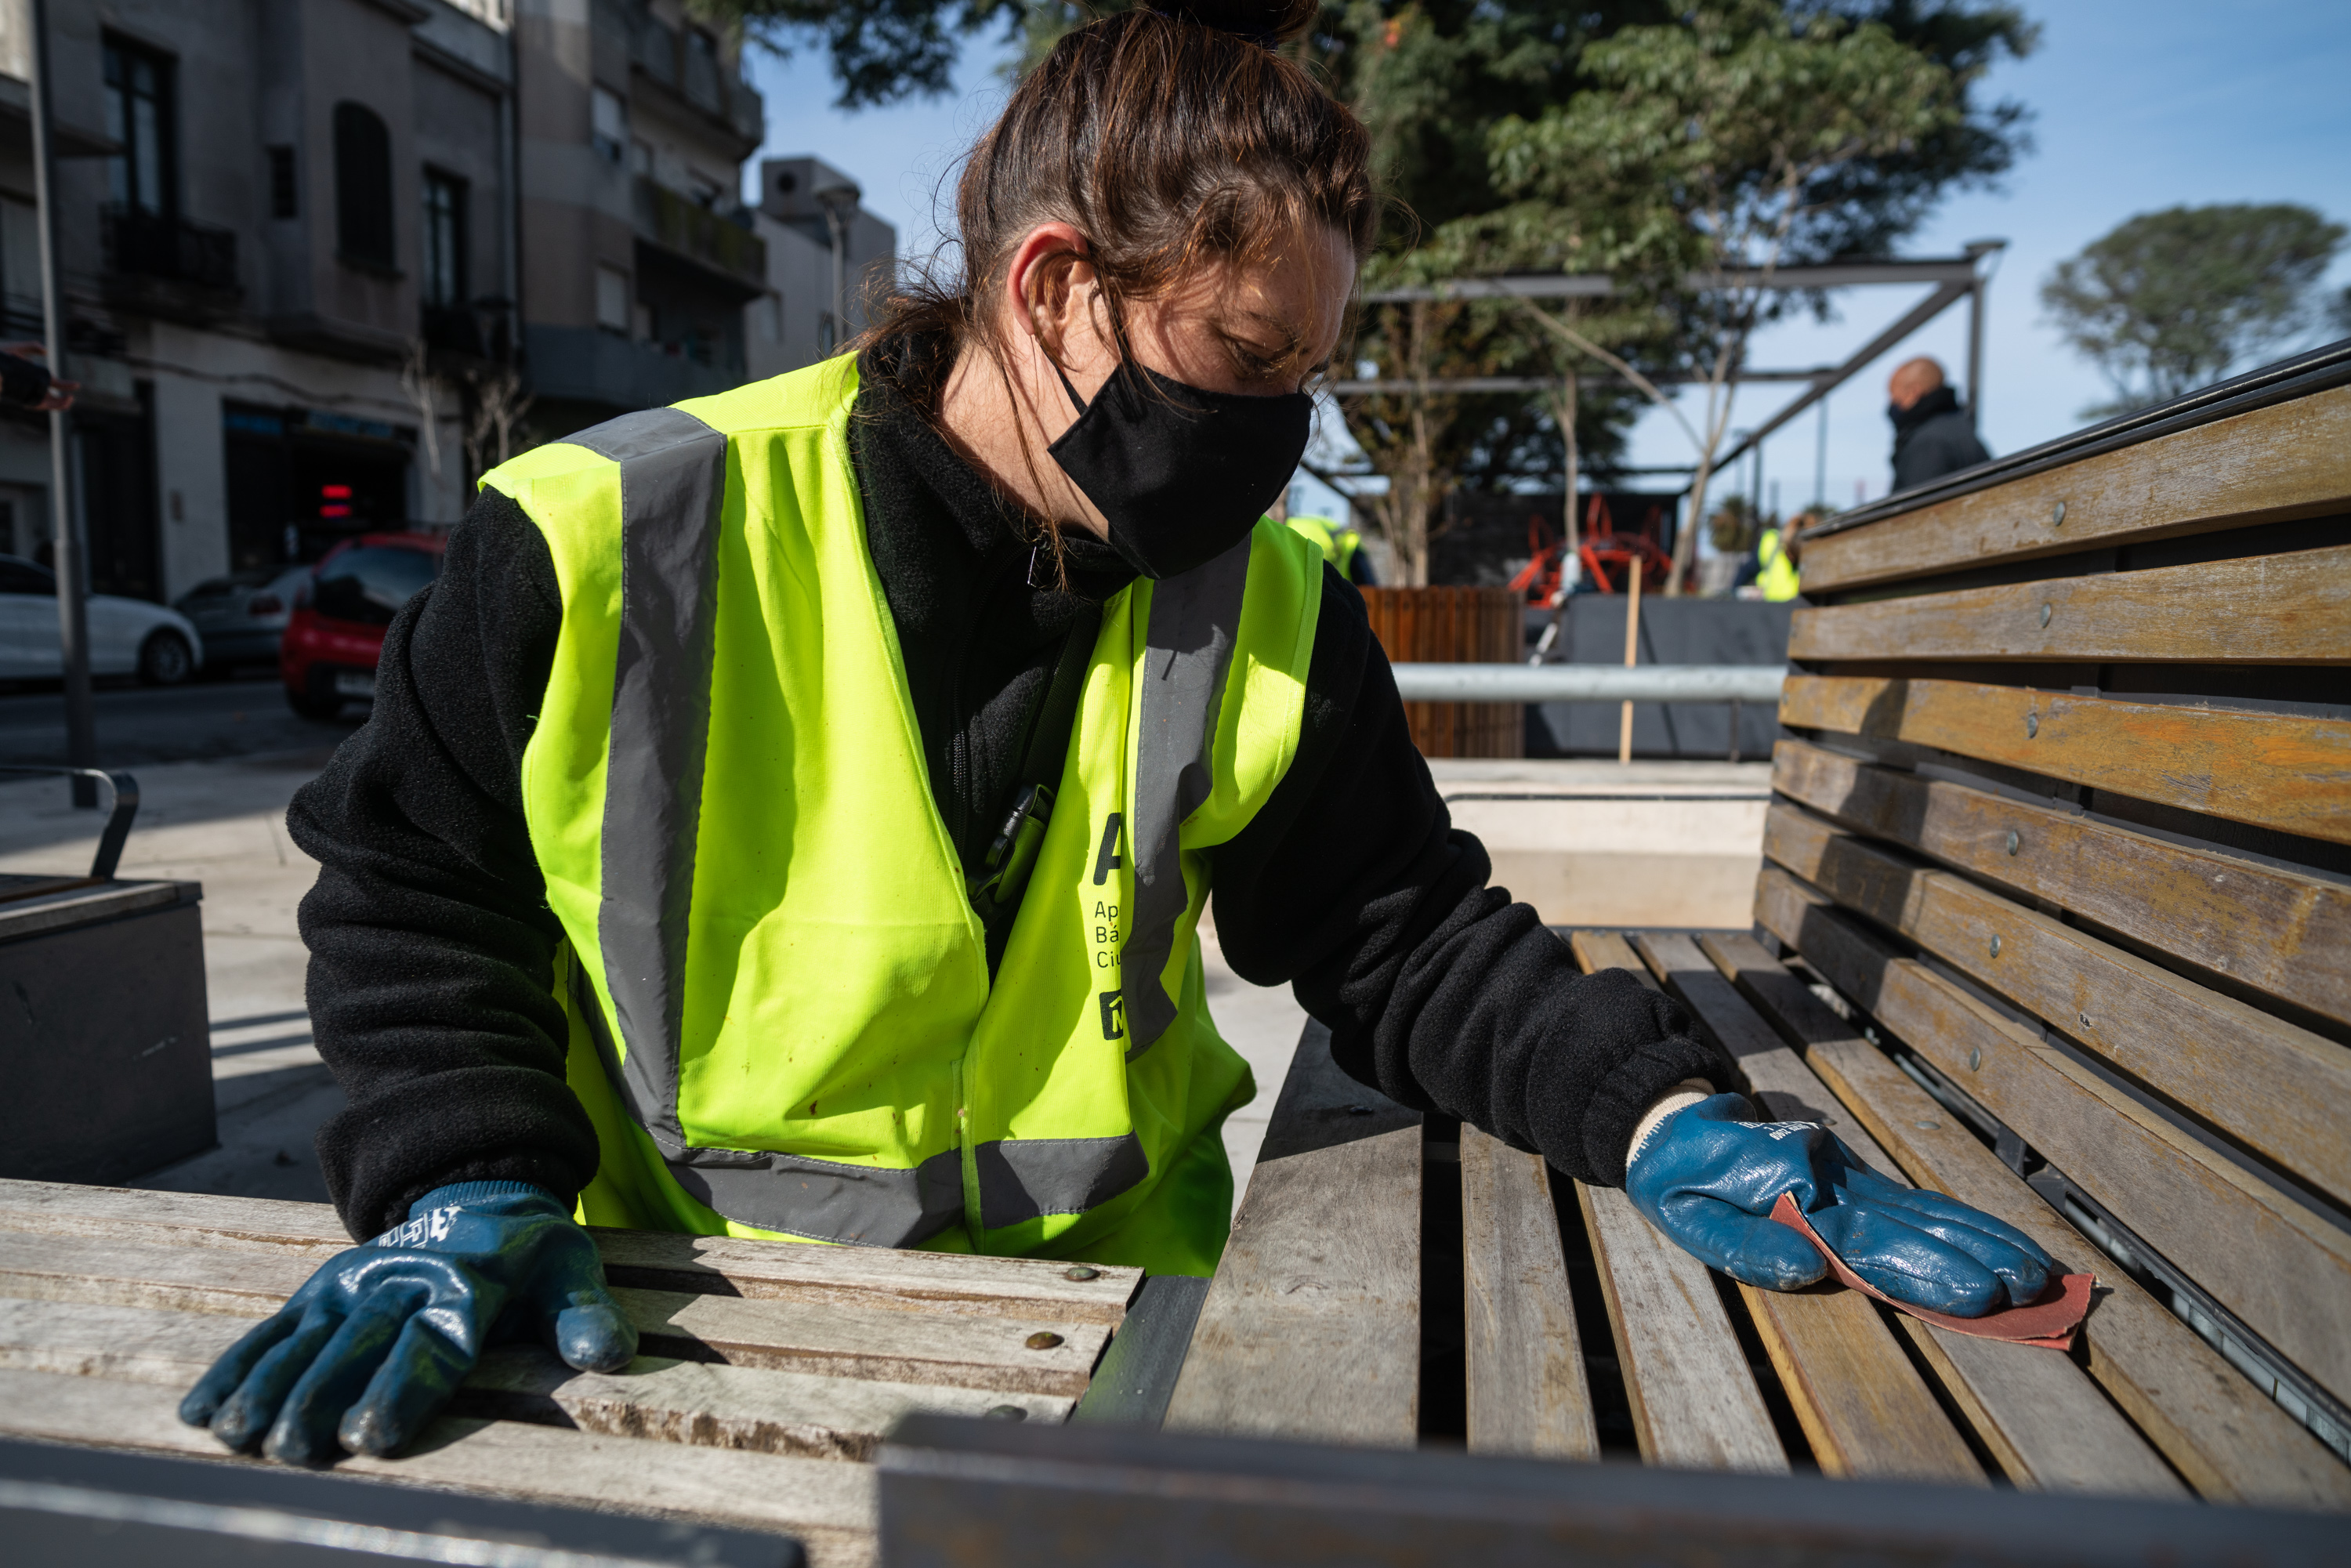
(656, 743)
(1777, 574)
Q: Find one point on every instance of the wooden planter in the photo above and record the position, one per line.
(1455, 626)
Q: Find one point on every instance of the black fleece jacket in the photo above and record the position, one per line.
(1932, 437)
(432, 946)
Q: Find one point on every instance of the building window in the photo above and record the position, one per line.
(609, 124)
(613, 299)
(363, 229)
(444, 238)
(284, 193)
(143, 176)
(641, 158)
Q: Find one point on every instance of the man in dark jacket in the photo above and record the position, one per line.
(1933, 435)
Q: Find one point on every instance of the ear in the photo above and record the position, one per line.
(1049, 285)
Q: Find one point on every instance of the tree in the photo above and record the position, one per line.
(882, 50)
(1710, 154)
(2171, 301)
(1435, 81)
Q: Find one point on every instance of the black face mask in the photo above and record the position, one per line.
(1181, 475)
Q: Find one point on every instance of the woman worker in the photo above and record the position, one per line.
(790, 814)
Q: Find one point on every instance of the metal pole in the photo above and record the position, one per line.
(1975, 355)
(1632, 647)
(73, 609)
(1821, 460)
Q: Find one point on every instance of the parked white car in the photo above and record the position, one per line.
(127, 636)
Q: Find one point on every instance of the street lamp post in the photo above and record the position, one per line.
(840, 204)
(73, 608)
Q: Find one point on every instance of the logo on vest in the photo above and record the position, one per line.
(1106, 859)
(1113, 1014)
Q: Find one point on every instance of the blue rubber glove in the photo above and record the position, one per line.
(1709, 1176)
(373, 1344)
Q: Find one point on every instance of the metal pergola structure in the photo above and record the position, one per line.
(1954, 278)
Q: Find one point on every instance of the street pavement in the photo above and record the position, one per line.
(138, 725)
(221, 821)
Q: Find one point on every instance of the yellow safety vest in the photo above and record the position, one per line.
(1338, 545)
(782, 1020)
(1777, 578)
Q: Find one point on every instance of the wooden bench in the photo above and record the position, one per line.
(2054, 917)
(763, 1366)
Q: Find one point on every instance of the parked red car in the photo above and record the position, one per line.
(335, 633)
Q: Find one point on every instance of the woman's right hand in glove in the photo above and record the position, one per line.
(373, 1344)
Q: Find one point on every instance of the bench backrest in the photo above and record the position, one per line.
(2068, 815)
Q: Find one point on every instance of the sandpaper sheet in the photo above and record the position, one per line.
(2050, 1321)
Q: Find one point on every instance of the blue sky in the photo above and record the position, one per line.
(2138, 105)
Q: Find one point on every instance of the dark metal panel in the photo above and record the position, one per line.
(104, 1047)
(1137, 1374)
(977, 1493)
(67, 1508)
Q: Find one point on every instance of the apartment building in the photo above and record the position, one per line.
(818, 235)
(639, 255)
(300, 237)
(262, 206)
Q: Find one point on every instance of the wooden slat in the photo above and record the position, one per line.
(2282, 1269)
(827, 1507)
(2275, 930)
(2284, 461)
(963, 1351)
(1022, 1287)
(1863, 1404)
(1527, 1393)
(675, 1401)
(2292, 609)
(2275, 770)
(1609, 950)
(2232, 1442)
(1695, 1401)
(1695, 1404)
(2278, 1089)
(1312, 1326)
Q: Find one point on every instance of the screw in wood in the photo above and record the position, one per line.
(2013, 840)
(1925, 1126)
(2044, 615)
(1995, 946)
(1043, 1341)
(2057, 517)
(2032, 725)
(1007, 1413)
(1975, 1057)
(1080, 1272)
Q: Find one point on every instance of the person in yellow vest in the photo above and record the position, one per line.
(790, 814)
(1775, 558)
(1342, 547)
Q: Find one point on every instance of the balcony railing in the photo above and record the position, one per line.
(680, 224)
(662, 53)
(153, 244)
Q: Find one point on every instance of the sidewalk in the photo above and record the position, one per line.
(221, 824)
(1589, 843)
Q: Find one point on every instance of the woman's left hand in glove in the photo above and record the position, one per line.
(1707, 1174)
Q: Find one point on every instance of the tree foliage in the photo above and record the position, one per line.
(2173, 300)
(1555, 135)
(880, 50)
(1710, 151)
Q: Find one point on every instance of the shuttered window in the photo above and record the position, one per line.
(363, 227)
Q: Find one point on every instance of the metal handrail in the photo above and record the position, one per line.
(121, 786)
(1589, 682)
